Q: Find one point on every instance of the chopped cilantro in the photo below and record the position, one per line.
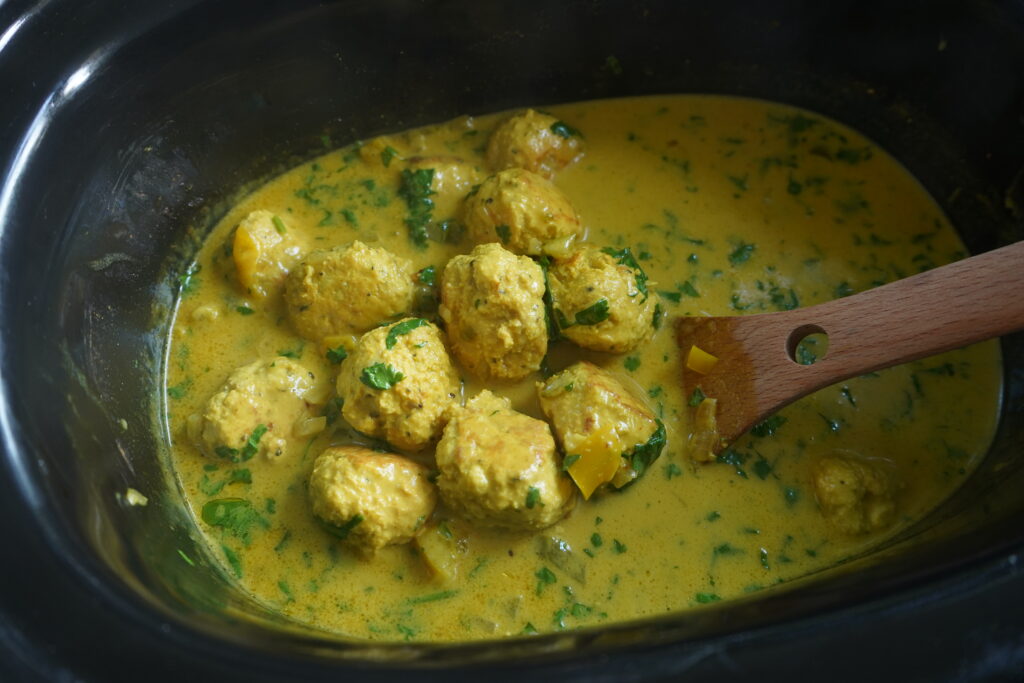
(741, 253)
(387, 154)
(769, 426)
(689, 290)
(533, 498)
(427, 276)
(705, 598)
(343, 530)
(503, 232)
(381, 376)
(625, 257)
(570, 460)
(404, 327)
(672, 470)
(415, 190)
(596, 540)
(545, 577)
(564, 130)
(594, 314)
(644, 455)
(674, 297)
(631, 363)
(235, 515)
(279, 225)
(233, 561)
(697, 397)
(618, 546)
(252, 444)
(244, 310)
(336, 355)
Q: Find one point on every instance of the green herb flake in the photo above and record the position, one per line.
(415, 190)
(252, 444)
(631, 363)
(233, 560)
(594, 314)
(427, 276)
(279, 225)
(570, 460)
(381, 376)
(504, 232)
(672, 470)
(742, 253)
(533, 498)
(342, 531)
(387, 154)
(244, 310)
(564, 130)
(768, 427)
(618, 546)
(178, 391)
(625, 257)
(335, 356)
(404, 327)
(705, 598)
(734, 458)
(545, 577)
(235, 515)
(762, 468)
(596, 540)
(696, 398)
(674, 297)
(432, 597)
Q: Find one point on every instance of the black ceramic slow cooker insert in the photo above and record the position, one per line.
(126, 126)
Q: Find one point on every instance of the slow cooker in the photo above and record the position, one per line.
(125, 127)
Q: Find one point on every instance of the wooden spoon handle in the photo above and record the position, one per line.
(965, 302)
(968, 301)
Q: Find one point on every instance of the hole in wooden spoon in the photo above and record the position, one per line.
(807, 344)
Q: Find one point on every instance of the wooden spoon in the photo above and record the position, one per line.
(978, 298)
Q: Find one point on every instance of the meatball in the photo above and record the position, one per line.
(347, 290)
(369, 499)
(607, 434)
(534, 141)
(856, 494)
(492, 302)
(452, 179)
(264, 250)
(398, 383)
(522, 210)
(500, 468)
(601, 300)
(255, 411)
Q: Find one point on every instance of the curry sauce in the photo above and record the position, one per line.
(731, 206)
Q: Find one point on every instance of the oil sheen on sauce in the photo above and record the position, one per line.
(732, 206)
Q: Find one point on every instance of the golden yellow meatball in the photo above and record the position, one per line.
(534, 141)
(601, 300)
(522, 210)
(492, 303)
(607, 434)
(256, 412)
(856, 494)
(398, 383)
(500, 468)
(370, 500)
(264, 248)
(347, 290)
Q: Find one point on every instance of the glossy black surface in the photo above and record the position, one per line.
(123, 123)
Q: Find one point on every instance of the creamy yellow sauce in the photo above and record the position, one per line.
(732, 206)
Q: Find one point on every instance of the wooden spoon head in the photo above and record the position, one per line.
(754, 374)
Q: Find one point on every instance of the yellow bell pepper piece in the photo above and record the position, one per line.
(599, 459)
(246, 253)
(700, 361)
